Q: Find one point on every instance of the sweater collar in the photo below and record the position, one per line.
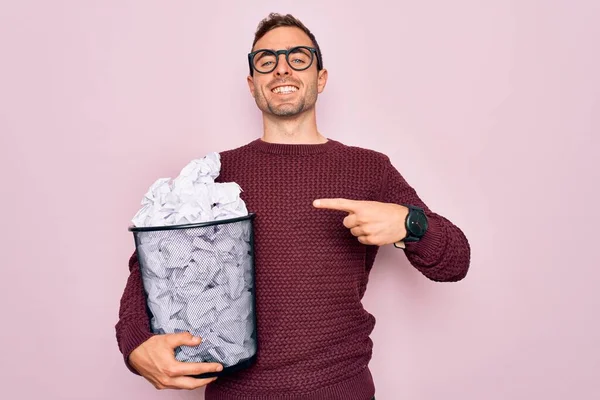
(293, 149)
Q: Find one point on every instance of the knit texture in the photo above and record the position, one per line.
(311, 272)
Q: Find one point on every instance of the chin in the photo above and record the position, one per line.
(286, 110)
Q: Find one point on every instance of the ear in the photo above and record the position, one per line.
(322, 80)
(251, 84)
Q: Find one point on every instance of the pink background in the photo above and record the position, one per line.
(490, 109)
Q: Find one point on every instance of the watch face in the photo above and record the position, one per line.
(417, 223)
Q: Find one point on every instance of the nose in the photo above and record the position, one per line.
(283, 68)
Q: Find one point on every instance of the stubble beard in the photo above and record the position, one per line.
(288, 109)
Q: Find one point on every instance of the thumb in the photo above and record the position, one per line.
(183, 339)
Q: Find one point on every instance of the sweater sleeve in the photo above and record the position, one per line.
(133, 327)
(444, 253)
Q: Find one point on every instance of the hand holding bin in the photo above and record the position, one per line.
(199, 278)
(195, 246)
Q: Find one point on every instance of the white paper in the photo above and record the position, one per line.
(192, 197)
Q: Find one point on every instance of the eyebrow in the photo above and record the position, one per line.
(260, 55)
(289, 47)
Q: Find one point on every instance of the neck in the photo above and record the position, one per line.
(297, 129)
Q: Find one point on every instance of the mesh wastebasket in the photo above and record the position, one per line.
(199, 278)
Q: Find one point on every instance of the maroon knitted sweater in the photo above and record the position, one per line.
(311, 272)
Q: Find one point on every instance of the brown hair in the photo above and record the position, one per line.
(275, 20)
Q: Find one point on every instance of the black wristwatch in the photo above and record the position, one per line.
(416, 224)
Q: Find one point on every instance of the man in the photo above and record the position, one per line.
(323, 210)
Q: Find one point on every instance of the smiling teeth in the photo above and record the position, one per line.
(285, 89)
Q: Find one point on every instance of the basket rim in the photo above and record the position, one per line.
(132, 228)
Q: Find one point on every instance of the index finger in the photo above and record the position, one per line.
(337, 204)
(185, 382)
(195, 368)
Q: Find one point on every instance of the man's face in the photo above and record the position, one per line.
(267, 88)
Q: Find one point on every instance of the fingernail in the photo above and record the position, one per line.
(196, 339)
(219, 367)
(316, 203)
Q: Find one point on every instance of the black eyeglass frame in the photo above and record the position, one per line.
(313, 51)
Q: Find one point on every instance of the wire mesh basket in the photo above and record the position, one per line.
(199, 278)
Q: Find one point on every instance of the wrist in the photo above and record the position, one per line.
(400, 245)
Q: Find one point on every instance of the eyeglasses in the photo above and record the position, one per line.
(299, 58)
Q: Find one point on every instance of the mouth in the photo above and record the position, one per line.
(286, 89)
